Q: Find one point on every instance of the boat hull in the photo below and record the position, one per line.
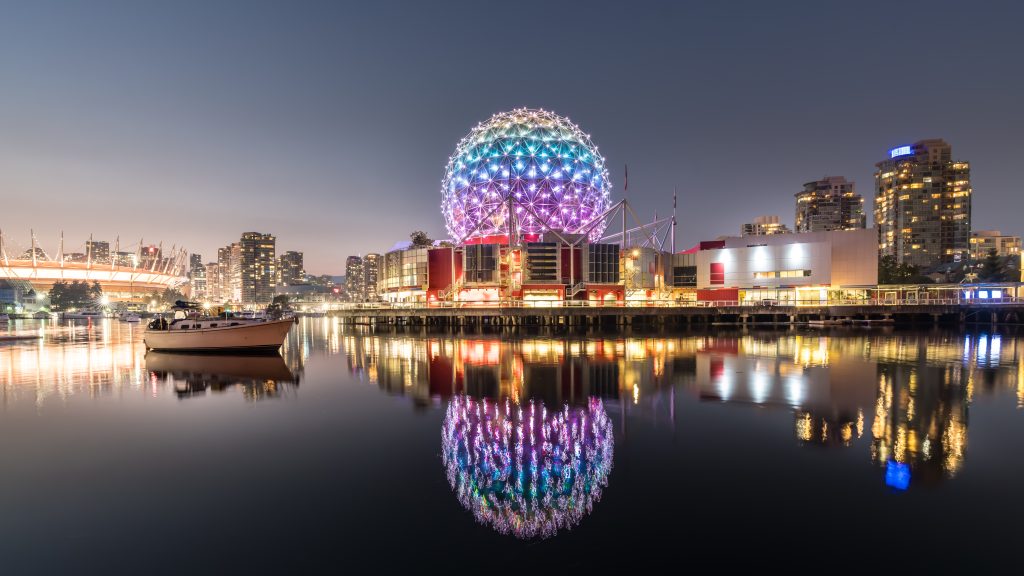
(78, 316)
(255, 337)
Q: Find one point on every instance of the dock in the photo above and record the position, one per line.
(18, 337)
(585, 314)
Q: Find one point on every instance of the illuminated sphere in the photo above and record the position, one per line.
(550, 170)
(523, 470)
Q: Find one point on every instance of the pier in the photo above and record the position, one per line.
(586, 314)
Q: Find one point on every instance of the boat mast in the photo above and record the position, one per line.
(625, 192)
(675, 192)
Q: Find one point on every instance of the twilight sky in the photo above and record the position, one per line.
(329, 124)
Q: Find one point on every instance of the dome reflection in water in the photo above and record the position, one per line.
(525, 470)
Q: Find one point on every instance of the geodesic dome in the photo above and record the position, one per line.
(542, 162)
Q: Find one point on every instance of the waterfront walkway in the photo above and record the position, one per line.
(584, 313)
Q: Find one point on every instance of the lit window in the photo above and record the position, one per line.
(794, 273)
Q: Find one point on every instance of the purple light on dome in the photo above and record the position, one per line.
(527, 472)
(532, 155)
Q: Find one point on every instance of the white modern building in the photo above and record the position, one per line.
(789, 267)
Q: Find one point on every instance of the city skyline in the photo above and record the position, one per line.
(538, 279)
(319, 135)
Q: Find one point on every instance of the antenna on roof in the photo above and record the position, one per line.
(675, 192)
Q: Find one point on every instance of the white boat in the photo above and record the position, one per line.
(42, 315)
(820, 323)
(82, 315)
(216, 334)
(130, 317)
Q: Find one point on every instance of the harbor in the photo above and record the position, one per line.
(774, 412)
(536, 287)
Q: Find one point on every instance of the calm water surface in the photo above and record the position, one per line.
(353, 450)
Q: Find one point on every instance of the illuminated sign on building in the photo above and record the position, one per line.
(901, 151)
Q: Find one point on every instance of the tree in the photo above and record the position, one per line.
(172, 295)
(168, 297)
(892, 272)
(64, 296)
(58, 297)
(993, 268)
(280, 300)
(420, 239)
(887, 269)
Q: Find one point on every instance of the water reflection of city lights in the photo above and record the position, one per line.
(831, 429)
(920, 423)
(108, 358)
(523, 470)
(1020, 383)
(897, 475)
(759, 385)
(920, 385)
(794, 390)
(725, 386)
(804, 431)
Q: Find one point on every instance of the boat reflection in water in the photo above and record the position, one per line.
(193, 374)
(524, 470)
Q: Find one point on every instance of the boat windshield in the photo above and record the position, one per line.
(158, 324)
